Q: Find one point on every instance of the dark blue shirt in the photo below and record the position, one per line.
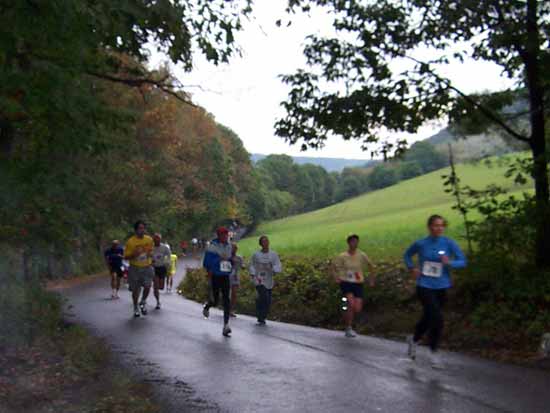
(114, 256)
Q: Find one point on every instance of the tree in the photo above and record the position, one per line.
(382, 176)
(371, 36)
(425, 155)
(408, 170)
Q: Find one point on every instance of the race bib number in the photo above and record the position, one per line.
(432, 269)
(142, 257)
(353, 276)
(225, 266)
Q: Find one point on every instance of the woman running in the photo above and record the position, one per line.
(349, 268)
(436, 256)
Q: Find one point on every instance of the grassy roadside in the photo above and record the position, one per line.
(48, 365)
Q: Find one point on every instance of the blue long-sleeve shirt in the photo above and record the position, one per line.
(429, 251)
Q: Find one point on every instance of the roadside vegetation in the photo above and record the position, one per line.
(47, 364)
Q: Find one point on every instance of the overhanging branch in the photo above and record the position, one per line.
(137, 82)
(483, 109)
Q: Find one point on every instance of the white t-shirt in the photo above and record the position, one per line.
(263, 266)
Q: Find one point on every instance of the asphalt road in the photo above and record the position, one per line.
(288, 368)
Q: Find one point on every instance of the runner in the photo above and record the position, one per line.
(161, 263)
(349, 270)
(436, 256)
(139, 251)
(172, 272)
(263, 265)
(113, 258)
(234, 280)
(217, 262)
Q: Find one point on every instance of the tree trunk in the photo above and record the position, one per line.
(538, 139)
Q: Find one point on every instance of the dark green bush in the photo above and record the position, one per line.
(305, 293)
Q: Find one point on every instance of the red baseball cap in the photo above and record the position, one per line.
(222, 230)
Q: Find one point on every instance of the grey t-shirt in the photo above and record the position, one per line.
(161, 256)
(263, 266)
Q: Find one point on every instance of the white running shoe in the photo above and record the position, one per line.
(436, 360)
(226, 330)
(143, 308)
(411, 347)
(350, 333)
(136, 312)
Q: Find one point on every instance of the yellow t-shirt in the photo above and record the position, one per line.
(351, 268)
(173, 264)
(146, 244)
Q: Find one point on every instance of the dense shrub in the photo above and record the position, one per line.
(306, 293)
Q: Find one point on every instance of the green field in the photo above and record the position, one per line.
(387, 220)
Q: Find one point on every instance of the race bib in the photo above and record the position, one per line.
(225, 266)
(432, 269)
(142, 257)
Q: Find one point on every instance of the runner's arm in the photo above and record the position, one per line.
(252, 268)
(277, 266)
(459, 259)
(409, 254)
(372, 270)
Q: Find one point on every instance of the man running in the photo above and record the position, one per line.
(217, 262)
(113, 258)
(161, 264)
(349, 270)
(234, 280)
(139, 252)
(172, 271)
(436, 256)
(263, 265)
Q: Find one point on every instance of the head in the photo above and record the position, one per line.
(222, 234)
(436, 225)
(139, 228)
(353, 242)
(157, 238)
(115, 244)
(264, 243)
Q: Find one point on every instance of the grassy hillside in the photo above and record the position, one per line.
(387, 220)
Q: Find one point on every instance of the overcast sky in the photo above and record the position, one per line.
(246, 94)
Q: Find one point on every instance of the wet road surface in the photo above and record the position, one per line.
(288, 368)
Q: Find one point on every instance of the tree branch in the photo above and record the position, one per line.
(484, 110)
(137, 82)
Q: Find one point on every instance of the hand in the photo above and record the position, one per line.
(415, 273)
(445, 260)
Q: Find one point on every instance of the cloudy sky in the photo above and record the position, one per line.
(246, 94)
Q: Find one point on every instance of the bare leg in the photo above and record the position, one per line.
(156, 287)
(348, 314)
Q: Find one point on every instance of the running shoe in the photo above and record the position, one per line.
(157, 307)
(435, 360)
(136, 313)
(261, 323)
(206, 311)
(411, 350)
(226, 330)
(350, 333)
(143, 308)
(233, 315)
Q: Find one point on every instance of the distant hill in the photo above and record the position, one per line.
(474, 147)
(330, 164)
